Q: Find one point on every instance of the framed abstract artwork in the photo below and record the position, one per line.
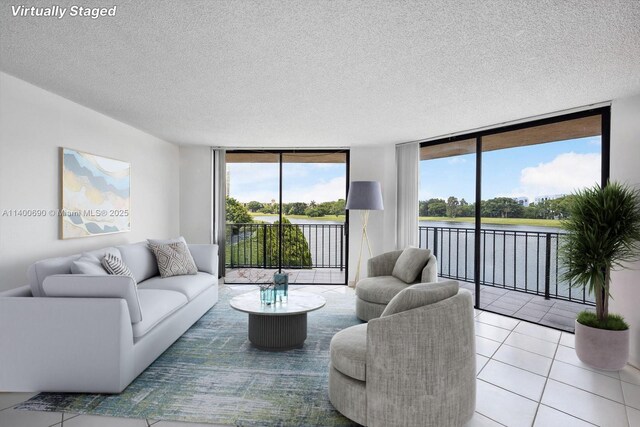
(96, 195)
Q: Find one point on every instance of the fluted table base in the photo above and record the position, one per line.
(278, 333)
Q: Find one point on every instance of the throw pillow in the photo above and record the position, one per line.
(410, 264)
(174, 259)
(420, 295)
(166, 241)
(87, 265)
(114, 265)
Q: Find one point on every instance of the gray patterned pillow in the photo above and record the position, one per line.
(174, 259)
(114, 265)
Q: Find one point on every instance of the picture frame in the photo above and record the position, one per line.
(95, 194)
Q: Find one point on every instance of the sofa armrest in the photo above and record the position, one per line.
(98, 286)
(205, 257)
(382, 265)
(22, 291)
(435, 370)
(65, 345)
(430, 271)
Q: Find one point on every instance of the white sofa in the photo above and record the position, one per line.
(110, 331)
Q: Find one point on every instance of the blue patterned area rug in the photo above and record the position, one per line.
(213, 375)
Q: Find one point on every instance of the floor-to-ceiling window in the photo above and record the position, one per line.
(285, 213)
(493, 214)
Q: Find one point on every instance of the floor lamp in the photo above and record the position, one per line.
(364, 196)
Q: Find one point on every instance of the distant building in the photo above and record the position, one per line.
(548, 197)
(522, 201)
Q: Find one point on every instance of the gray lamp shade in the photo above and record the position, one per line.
(365, 195)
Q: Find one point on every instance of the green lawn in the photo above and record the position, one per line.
(314, 218)
(499, 221)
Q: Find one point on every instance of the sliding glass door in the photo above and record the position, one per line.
(491, 206)
(528, 176)
(285, 213)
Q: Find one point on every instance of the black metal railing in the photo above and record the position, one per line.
(525, 261)
(303, 246)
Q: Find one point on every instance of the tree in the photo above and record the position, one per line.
(337, 207)
(452, 207)
(296, 208)
(422, 208)
(466, 209)
(502, 207)
(237, 213)
(295, 247)
(314, 212)
(436, 207)
(254, 206)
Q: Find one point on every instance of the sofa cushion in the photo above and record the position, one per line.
(174, 259)
(140, 260)
(38, 271)
(349, 351)
(420, 295)
(156, 305)
(189, 286)
(410, 264)
(379, 289)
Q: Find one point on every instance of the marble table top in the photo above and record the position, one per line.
(297, 303)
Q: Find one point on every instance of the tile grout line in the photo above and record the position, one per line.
(578, 388)
(546, 381)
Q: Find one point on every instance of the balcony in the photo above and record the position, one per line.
(519, 274)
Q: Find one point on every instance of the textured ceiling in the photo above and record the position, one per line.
(328, 73)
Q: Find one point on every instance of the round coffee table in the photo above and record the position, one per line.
(279, 326)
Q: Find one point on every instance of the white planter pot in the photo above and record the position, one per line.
(602, 349)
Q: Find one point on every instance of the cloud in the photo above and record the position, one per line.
(301, 183)
(562, 175)
(456, 160)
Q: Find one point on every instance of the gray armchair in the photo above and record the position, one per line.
(374, 292)
(413, 366)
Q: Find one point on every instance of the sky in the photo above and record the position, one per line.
(301, 182)
(535, 170)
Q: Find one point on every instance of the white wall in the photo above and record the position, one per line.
(373, 163)
(196, 194)
(34, 123)
(625, 166)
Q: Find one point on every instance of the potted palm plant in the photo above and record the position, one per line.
(603, 234)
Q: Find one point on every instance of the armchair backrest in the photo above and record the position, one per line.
(420, 295)
(422, 358)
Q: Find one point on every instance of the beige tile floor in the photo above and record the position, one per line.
(528, 375)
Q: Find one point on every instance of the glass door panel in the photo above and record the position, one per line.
(313, 198)
(447, 208)
(528, 176)
(252, 208)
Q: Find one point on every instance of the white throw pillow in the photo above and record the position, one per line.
(87, 265)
